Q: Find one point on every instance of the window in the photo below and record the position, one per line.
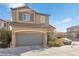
(42, 19)
(24, 16)
(32, 17)
(1, 25)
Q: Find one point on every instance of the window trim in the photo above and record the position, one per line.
(26, 16)
(42, 19)
(1, 25)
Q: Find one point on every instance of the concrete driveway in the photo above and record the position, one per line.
(65, 50)
(18, 50)
(55, 51)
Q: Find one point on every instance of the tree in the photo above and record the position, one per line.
(5, 38)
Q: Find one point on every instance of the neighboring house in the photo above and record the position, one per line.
(61, 34)
(73, 33)
(29, 27)
(4, 25)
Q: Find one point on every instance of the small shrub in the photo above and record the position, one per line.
(60, 41)
(55, 41)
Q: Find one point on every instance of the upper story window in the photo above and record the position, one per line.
(32, 17)
(1, 25)
(42, 19)
(24, 16)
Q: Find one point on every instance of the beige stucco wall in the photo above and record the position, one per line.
(52, 30)
(15, 15)
(6, 25)
(19, 29)
(37, 19)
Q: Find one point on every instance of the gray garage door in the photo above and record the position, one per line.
(27, 39)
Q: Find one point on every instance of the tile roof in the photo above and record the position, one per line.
(3, 20)
(30, 9)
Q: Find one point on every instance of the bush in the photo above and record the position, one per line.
(5, 38)
(55, 41)
(60, 41)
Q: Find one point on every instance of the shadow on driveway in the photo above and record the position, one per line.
(18, 50)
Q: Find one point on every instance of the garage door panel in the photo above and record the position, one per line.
(29, 39)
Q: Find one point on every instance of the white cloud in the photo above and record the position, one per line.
(15, 5)
(67, 20)
(64, 21)
(77, 18)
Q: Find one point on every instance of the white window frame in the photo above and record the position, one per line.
(42, 19)
(26, 17)
(1, 25)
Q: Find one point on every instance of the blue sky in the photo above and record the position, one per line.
(63, 15)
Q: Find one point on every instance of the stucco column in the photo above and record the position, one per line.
(13, 43)
(45, 40)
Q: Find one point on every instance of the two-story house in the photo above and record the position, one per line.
(29, 27)
(73, 32)
(4, 26)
